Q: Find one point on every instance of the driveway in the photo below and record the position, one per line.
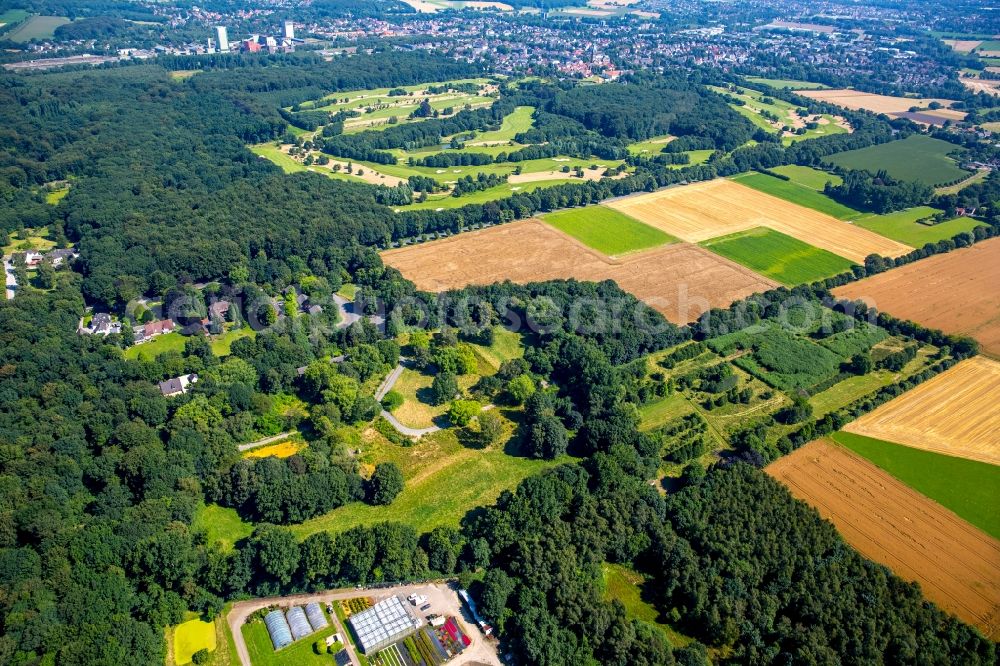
(384, 388)
(10, 279)
(347, 314)
(442, 597)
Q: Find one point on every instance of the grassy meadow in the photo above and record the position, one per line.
(903, 226)
(444, 480)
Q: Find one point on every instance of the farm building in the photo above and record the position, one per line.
(383, 624)
(316, 617)
(298, 622)
(278, 629)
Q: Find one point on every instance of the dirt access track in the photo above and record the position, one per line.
(955, 564)
(681, 281)
(957, 292)
(720, 207)
(956, 413)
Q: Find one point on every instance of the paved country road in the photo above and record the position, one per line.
(442, 597)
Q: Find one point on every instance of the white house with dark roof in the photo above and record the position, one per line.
(177, 385)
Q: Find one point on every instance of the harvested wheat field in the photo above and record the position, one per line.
(681, 281)
(854, 99)
(955, 564)
(720, 207)
(956, 292)
(956, 413)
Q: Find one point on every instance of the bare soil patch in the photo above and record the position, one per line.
(720, 207)
(955, 564)
(681, 281)
(956, 413)
(955, 292)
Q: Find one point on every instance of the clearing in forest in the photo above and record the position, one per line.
(680, 280)
(707, 210)
(955, 292)
(954, 563)
(956, 413)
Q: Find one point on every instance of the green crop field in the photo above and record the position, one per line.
(969, 488)
(805, 176)
(780, 257)
(36, 27)
(787, 83)
(222, 525)
(903, 227)
(607, 230)
(797, 194)
(444, 481)
(191, 636)
(519, 120)
(917, 157)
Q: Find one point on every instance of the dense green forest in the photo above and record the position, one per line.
(101, 476)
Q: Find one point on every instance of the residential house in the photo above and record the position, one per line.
(177, 385)
(149, 331)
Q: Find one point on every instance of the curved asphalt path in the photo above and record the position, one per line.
(384, 388)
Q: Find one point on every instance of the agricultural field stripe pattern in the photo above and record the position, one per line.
(955, 292)
(679, 280)
(892, 524)
(956, 413)
(709, 209)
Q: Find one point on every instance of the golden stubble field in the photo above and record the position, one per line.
(957, 292)
(680, 280)
(854, 99)
(956, 413)
(706, 210)
(955, 564)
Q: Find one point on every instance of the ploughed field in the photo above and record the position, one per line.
(955, 564)
(679, 280)
(956, 413)
(956, 292)
(707, 210)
